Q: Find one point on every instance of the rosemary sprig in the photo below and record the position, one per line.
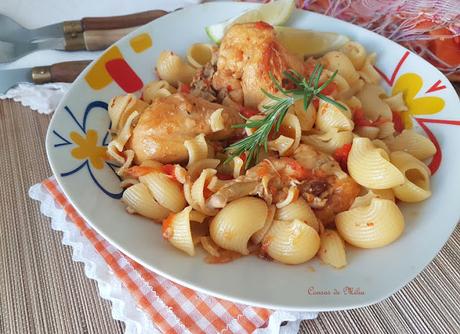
(276, 110)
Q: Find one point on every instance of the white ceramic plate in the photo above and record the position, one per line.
(81, 122)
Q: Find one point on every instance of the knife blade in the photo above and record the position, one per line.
(59, 72)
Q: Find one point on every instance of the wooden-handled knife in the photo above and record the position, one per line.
(60, 72)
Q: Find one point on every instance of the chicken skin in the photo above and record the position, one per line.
(169, 121)
(247, 54)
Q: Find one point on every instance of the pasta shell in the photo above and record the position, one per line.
(195, 168)
(387, 129)
(216, 184)
(232, 227)
(176, 229)
(372, 226)
(290, 127)
(370, 132)
(292, 195)
(197, 149)
(355, 52)
(282, 145)
(139, 199)
(300, 210)
(366, 199)
(237, 166)
(353, 103)
(173, 69)
(416, 187)
(396, 102)
(156, 89)
(370, 166)
(413, 143)
(260, 234)
(330, 141)
(216, 121)
(372, 104)
(197, 192)
(121, 107)
(197, 216)
(291, 242)
(381, 144)
(332, 249)
(368, 72)
(231, 192)
(338, 61)
(329, 116)
(307, 117)
(199, 54)
(166, 191)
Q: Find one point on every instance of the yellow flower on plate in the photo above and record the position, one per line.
(87, 148)
(410, 84)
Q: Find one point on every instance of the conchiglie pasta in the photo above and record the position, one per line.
(396, 102)
(199, 54)
(368, 73)
(237, 166)
(306, 117)
(330, 141)
(257, 237)
(290, 128)
(356, 53)
(370, 166)
(300, 210)
(371, 132)
(197, 149)
(291, 242)
(381, 144)
(197, 196)
(292, 195)
(122, 138)
(353, 103)
(366, 198)
(413, 143)
(372, 104)
(139, 200)
(195, 168)
(234, 225)
(329, 116)
(372, 226)
(231, 192)
(338, 61)
(332, 249)
(156, 89)
(416, 187)
(342, 87)
(282, 145)
(121, 107)
(173, 69)
(387, 129)
(176, 229)
(166, 191)
(216, 121)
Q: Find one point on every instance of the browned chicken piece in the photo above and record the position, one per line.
(247, 54)
(168, 122)
(329, 190)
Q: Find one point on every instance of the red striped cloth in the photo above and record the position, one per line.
(171, 306)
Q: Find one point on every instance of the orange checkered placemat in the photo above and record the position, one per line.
(157, 296)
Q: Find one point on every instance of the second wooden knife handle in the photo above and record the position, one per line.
(102, 39)
(60, 72)
(124, 21)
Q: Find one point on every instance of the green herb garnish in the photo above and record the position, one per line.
(277, 109)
